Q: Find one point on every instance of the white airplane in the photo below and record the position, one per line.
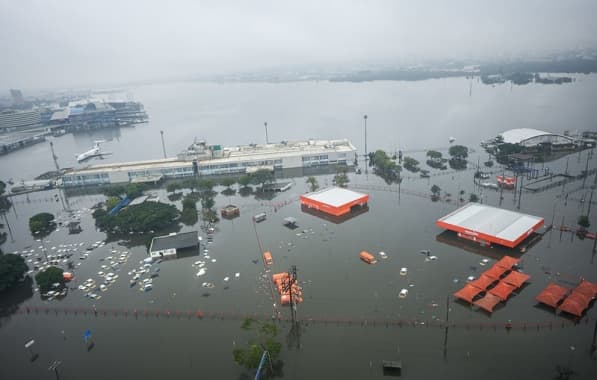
(93, 152)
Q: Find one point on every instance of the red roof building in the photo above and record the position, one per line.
(502, 290)
(552, 295)
(467, 293)
(488, 302)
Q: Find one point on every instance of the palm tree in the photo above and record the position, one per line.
(312, 181)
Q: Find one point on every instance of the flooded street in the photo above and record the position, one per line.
(352, 317)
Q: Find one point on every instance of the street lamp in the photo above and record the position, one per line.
(366, 153)
(266, 138)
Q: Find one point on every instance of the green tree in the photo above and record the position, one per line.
(473, 198)
(49, 276)
(434, 155)
(114, 191)
(189, 211)
(261, 177)
(2, 188)
(410, 164)
(263, 338)
(244, 181)
(207, 203)
(42, 223)
(341, 179)
(12, 270)
(385, 167)
(312, 182)
(459, 152)
(112, 202)
(227, 182)
(206, 185)
(134, 190)
(145, 217)
(435, 190)
(4, 202)
(172, 187)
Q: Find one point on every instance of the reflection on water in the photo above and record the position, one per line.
(11, 299)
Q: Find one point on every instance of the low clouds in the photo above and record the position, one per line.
(68, 42)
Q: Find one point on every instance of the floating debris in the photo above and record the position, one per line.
(403, 271)
(403, 293)
(484, 262)
(383, 255)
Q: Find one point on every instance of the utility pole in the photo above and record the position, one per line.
(366, 153)
(54, 157)
(586, 171)
(287, 287)
(446, 331)
(266, 138)
(520, 190)
(163, 144)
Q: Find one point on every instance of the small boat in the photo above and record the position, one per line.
(367, 257)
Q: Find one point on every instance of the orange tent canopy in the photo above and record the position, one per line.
(495, 271)
(516, 278)
(552, 295)
(467, 293)
(488, 302)
(507, 262)
(482, 282)
(587, 288)
(575, 304)
(502, 290)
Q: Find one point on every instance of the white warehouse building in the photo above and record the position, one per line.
(529, 138)
(201, 159)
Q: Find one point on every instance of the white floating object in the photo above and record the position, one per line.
(213, 260)
(484, 262)
(201, 272)
(226, 278)
(383, 255)
(403, 271)
(470, 278)
(432, 258)
(237, 275)
(403, 293)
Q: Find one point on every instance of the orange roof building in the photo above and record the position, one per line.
(502, 290)
(552, 295)
(483, 282)
(334, 201)
(487, 225)
(516, 278)
(488, 302)
(467, 293)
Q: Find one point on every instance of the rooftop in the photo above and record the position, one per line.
(515, 136)
(174, 241)
(495, 222)
(335, 196)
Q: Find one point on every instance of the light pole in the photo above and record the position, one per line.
(366, 154)
(266, 138)
(163, 144)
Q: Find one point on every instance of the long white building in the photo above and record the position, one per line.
(203, 159)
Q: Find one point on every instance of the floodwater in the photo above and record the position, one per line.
(352, 317)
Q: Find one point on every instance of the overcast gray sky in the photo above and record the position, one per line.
(77, 42)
